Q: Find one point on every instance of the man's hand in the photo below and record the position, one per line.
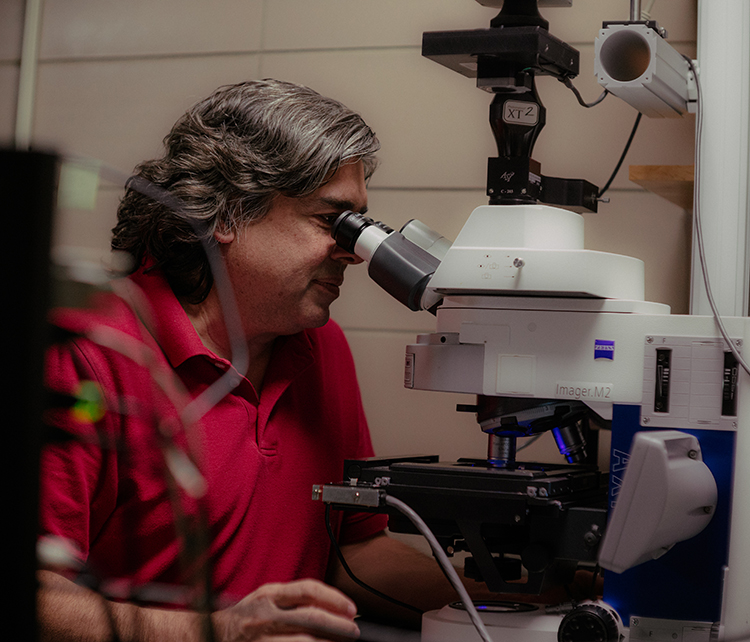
(301, 610)
(298, 611)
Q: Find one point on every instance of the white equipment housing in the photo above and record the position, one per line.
(528, 318)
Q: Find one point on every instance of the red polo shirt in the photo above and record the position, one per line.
(108, 491)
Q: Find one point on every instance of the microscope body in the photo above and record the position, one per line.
(609, 354)
(544, 322)
(545, 332)
(549, 335)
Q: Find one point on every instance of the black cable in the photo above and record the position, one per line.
(569, 84)
(622, 158)
(354, 578)
(534, 439)
(592, 595)
(594, 578)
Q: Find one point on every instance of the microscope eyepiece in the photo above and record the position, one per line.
(349, 225)
(400, 266)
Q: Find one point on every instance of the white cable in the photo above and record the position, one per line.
(443, 560)
(646, 13)
(699, 226)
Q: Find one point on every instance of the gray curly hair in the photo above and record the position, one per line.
(225, 161)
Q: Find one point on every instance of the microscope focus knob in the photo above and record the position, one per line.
(591, 622)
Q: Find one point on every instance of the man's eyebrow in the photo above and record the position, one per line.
(341, 204)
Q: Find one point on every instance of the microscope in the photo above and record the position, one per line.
(550, 336)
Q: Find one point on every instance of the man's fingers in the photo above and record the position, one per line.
(306, 608)
(312, 593)
(317, 621)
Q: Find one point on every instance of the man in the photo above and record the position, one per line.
(165, 485)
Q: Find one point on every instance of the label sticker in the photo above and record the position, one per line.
(409, 370)
(604, 349)
(516, 112)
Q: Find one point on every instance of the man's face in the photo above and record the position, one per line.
(286, 269)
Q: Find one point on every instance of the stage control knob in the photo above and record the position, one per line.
(591, 622)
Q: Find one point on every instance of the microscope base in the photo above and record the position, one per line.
(515, 623)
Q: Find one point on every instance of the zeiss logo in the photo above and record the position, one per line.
(604, 349)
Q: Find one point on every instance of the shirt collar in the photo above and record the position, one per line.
(168, 323)
(164, 317)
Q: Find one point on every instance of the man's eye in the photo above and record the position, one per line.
(328, 219)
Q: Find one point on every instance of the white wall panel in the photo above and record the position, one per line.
(8, 99)
(326, 24)
(11, 29)
(84, 28)
(119, 111)
(649, 228)
(580, 23)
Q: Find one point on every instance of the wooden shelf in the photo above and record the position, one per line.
(673, 182)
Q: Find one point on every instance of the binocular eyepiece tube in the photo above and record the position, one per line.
(401, 267)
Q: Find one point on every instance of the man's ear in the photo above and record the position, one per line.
(224, 236)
